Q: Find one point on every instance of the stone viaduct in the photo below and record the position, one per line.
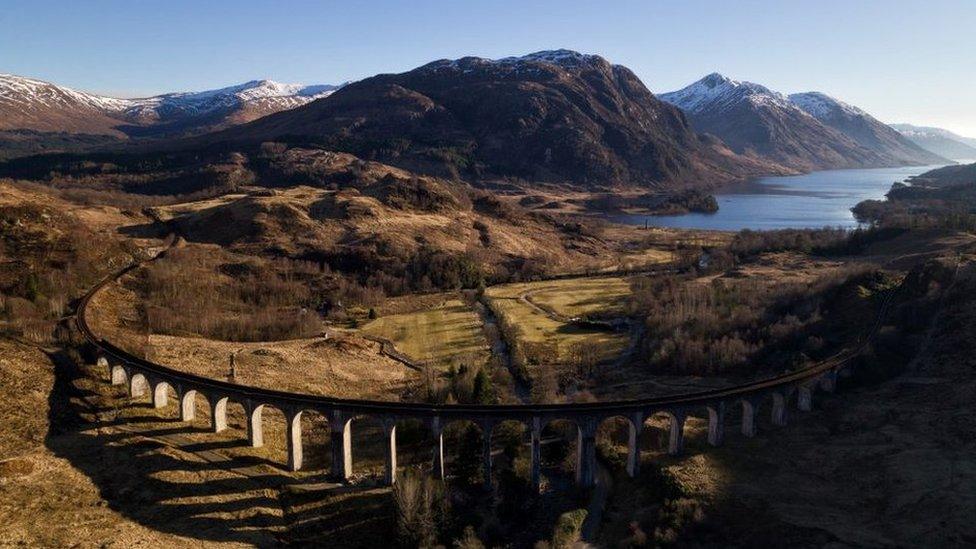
(145, 378)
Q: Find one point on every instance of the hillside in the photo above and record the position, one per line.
(864, 129)
(554, 116)
(765, 124)
(948, 176)
(939, 141)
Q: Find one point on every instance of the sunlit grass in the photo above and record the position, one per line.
(437, 335)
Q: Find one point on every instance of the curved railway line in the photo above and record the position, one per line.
(142, 376)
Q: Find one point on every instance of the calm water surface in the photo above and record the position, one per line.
(818, 199)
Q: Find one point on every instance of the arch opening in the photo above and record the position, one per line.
(512, 458)
(618, 443)
(368, 446)
(316, 441)
(558, 452)
(274, 430)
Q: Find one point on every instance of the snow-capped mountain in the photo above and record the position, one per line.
(718, 93)
(552, 115)
(29, 104)
(864, 129)
(35, 105)
(756, 121)
(939, 141)
(804, 131)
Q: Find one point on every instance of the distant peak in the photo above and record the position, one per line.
(717, 91)
(715, 79)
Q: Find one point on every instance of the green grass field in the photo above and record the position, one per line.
(437, 335)
(572, 297)
(583, 296)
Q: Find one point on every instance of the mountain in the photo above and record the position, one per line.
(553, 115)
(939, 141)
(180, 113)
(28, 104)
(759, 122)
(38, 111)
(864, 129)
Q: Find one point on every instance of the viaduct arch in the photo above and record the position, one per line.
(145, 377)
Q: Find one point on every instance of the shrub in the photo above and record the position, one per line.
(568, 529)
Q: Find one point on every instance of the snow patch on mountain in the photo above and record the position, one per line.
(29, 93)
(562, 58)
(820, 105)
(720, 93)
(929, 131)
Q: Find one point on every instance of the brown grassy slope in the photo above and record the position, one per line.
(384, 215)
(48, 498)
(340, 365)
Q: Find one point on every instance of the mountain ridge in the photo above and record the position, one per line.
(37, 105)
(554, 115)
(758, 122)
(864, 129)
(805, 132)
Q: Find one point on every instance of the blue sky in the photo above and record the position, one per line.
(902, 60)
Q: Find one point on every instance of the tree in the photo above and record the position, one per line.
(421, 509)
(468, 464)
(484, 388)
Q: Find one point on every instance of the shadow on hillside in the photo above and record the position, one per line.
(238, 498)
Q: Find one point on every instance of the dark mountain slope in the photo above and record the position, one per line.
(558, 116)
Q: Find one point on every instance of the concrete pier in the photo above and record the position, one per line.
(341, 433)
(804, 398)
(218, 414)
(780, 409)
(748, 418)
(636, 425)
(437, 431)
(586, 455)
(716, 424)
(293, 434)
(536, 454)
(255, 426)
(676, 436)
(389, 430)
(188, 406)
